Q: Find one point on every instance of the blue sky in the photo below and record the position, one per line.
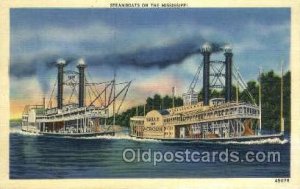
(147, 45)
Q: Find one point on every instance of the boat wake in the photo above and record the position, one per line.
(125, 136)
(261, 141)
(119, 136)
(19, 131)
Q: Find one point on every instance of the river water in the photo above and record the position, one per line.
(35, 156)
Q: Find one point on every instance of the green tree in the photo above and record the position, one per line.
(157, 102)
(167, 102)
(287, 100)
(270, 98)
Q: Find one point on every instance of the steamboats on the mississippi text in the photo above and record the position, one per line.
(76, 119)
(216, 119)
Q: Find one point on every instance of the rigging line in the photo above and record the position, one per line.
(111, 91)
(96, 94)
(241, 81)
(95, 91)
(98, 83)
(90, 87)
(69, 80)
(219, 77)
(200, 78)
(220, 69)
(119, 93)
(89, 95)
(89, 75)
(71, 95)
(50, 99)
(214, 82)
(86, 83)
(124, 96)
(216, 78)
(240, 76)
(126, 82)
(70, 72)
(74, 88)
(199, 72)
(196, 78)
(69, 101)
(100, 94)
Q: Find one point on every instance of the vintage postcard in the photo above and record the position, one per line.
(144, 94)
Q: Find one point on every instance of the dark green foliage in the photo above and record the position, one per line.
(270, 101)
(287, 100)
(152, 103)
(252, 87)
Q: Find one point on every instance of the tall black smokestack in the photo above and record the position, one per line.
(206, 51)
(228, 72)
(81, 98)
(60, 79)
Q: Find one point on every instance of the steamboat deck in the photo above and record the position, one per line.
(212, 119)
(75, 119)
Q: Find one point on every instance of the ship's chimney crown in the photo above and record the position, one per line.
(228, 48)
(81, 62)
(206, 48)
(60, 61)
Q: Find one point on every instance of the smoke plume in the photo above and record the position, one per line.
(156, 57)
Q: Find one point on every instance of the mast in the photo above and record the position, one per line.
(237, 92)
(237, 89)
(281, 103)
(105, 119)
(105, 95)
(173, 96)
(259, 99)
(44, 105)
(114, 102)
(44, 102)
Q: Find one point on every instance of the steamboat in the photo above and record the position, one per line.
(216, 119)
(80, 119)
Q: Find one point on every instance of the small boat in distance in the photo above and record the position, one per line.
(216, 119)
(76, 119)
